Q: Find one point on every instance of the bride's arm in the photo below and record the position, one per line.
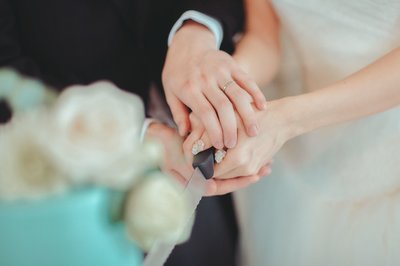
(258, 51)
(371, 90)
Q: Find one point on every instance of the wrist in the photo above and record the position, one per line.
(286, 116)
(197, 33)
(301, 114)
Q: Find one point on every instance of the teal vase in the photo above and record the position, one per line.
(73, 229)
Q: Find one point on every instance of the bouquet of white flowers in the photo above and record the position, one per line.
(86, 136)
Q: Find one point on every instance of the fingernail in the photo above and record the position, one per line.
(197, 147)
(218, 145)
(253, 130)
(219, 156)
(230, 144)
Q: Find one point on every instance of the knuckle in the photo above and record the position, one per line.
(190, 86)
(222, 69)
(192, 81)
(207, 77)
(224, 56)
(168, 134)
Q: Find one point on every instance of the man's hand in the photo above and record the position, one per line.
(174, 161)
(194, 76)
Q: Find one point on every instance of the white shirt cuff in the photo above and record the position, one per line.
(211, 23)
(147, 122)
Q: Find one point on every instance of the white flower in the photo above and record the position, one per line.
(26, 169)
(8, 81)
(156, 209)
(95, 134)
(23, 93)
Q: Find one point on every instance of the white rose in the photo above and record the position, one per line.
(26, 169)
(95, 134)
(8, 81)
(156, 209)
(21, 93)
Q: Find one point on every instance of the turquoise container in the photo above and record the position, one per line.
(73, 229)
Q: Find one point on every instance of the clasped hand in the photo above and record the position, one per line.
(251, 158)
(214, 100)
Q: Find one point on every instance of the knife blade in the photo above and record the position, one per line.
(203, 163)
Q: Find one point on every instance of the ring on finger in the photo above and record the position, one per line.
(227, 84)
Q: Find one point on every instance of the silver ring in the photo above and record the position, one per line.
(227, 85)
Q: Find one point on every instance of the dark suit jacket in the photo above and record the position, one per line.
(66, 42)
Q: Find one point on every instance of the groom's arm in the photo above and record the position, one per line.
(196, 72)
(228, 13)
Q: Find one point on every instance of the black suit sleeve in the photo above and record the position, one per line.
(229, 13)
(11, 51)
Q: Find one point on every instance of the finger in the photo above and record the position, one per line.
(237, 163)
(220, 187)
(180, 114)
(228, 165)
(248, 84)
(225, 110)
(197, 131)
(264, 171)
(185, 170)
(193, 137)
(206, 113)
(196, 143)
(175, 174)
(242, 101)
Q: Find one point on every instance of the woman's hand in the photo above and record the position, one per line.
(194, 77)
(251, 155)
(176, 165)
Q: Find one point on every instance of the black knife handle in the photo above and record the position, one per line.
(205, 162)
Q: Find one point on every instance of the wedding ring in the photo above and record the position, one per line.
(227, 85)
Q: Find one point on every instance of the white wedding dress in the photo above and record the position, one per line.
(334, 195)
